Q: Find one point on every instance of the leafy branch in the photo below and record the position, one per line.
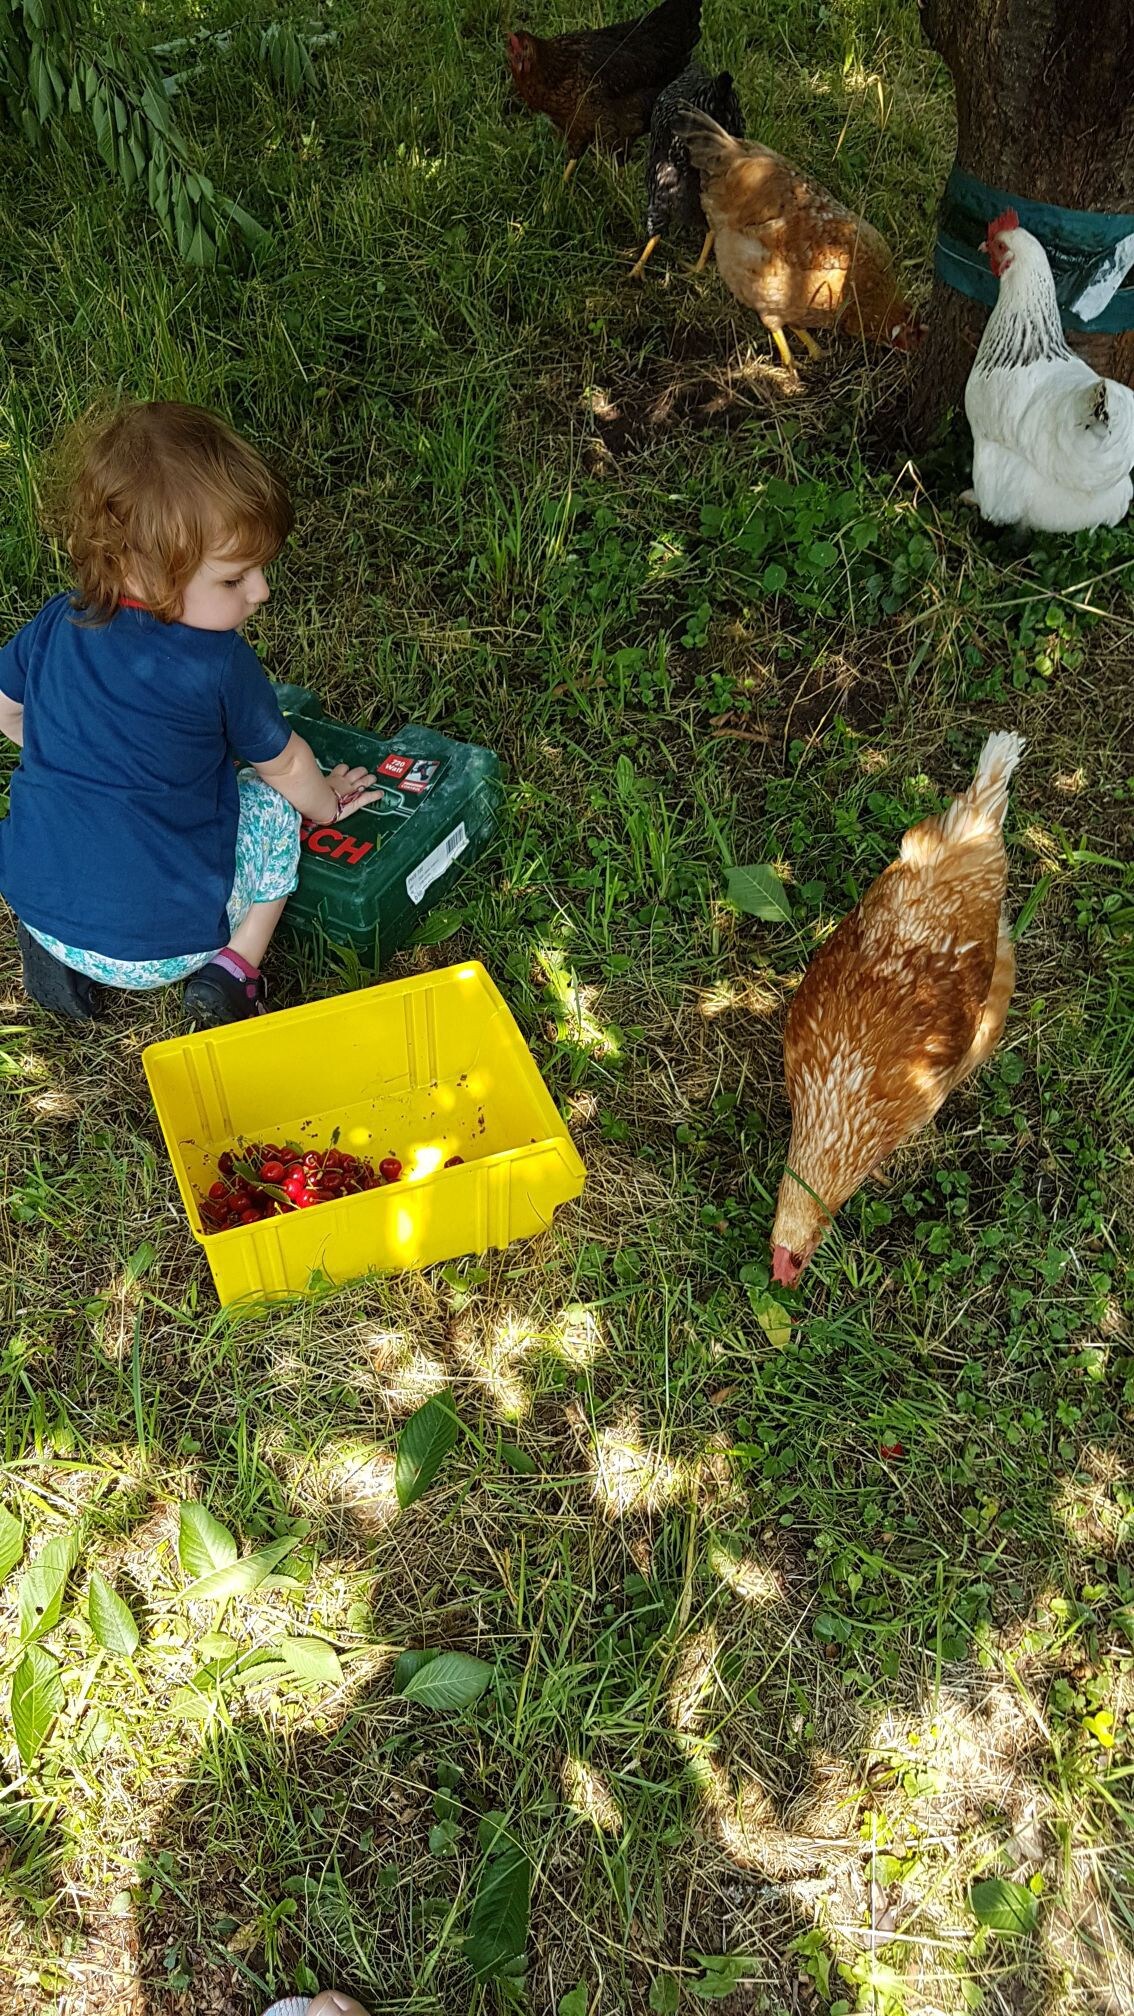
(53, 75)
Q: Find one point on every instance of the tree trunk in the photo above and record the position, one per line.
(1045, 108)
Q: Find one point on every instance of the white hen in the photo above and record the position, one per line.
(1053, 443)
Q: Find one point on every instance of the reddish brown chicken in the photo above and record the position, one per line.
(907, 997)
(786, 248)
(599, 86)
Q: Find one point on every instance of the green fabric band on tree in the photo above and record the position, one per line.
(1091, 252)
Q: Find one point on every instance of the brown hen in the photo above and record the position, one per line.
(599, 85)
(906, 998)
(786, 248)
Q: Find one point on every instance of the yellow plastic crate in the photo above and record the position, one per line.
(421, 1069)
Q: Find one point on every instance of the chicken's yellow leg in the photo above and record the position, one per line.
(781, 343)
(570, 169)
(808, 341)
(705, 251)
(651, 244)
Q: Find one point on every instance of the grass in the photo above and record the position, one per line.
(760, 1692)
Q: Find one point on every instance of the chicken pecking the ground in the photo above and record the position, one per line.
(786, 248)
(599, 85)
(673, 186)
(905, 999)
(1053, 443)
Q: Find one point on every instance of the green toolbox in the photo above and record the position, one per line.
(369, 880)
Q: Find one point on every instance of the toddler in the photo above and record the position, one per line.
(134, 854)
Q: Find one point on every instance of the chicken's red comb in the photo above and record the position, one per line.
(1007, 221)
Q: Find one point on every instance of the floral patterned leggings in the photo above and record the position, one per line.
(267, 867)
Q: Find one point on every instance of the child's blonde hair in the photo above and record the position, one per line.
(150, 490)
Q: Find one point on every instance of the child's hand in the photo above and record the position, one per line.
(351, 787)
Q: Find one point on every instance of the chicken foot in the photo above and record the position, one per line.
(705, 251)
(637, 271)
(570, 169)
(808, 341)
(781, 343)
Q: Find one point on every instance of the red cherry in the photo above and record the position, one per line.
(218, 1190)
(455, 1162)
(307, 1198)
(249, 1215)
(224, 1163)
(272, 1172)
(890, 1451)
(390, 1168)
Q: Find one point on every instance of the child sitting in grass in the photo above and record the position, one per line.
(133, 854)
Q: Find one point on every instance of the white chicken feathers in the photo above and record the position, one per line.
(1053, 443)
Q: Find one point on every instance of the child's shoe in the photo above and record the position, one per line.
(228, 989)
(56, 987)
(332, 2002)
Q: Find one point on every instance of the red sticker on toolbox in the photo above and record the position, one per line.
(421, 776)
(395, 766)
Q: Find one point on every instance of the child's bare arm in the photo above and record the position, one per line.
(297, 777)
(11, 720)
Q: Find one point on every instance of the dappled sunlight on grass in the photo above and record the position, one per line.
(573, 1008)
(500, 1349)
(352, 1479)
(630, 1478)
(55, 1106)
(691, 1684)
(743, 1819)
(737, 997)
(588, 1794)
(577, 1336)
(407, 1373)
(1046, 845)
(113, 1311)
(1085, 1504)
(751, 1579)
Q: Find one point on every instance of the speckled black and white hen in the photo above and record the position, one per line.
(673, 186)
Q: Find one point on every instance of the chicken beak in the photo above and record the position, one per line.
(784, 1272)
(983, 246)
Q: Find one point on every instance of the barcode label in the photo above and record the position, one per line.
(435, 864)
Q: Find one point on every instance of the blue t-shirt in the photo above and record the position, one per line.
(121, 838)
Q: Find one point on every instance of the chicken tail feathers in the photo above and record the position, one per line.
(711, 149)
(982, 807)
(977, 814)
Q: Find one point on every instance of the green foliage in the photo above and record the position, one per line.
(111, 1619)
(498, 1922)
(423, 1445)
(759, 892)
(203, 1544)
(11, 1542)
(239, 1578)
(312, 1659)
(42, 1587)
(448, 1681)
(1004, 1906)
(37, 1697)
(57, 72)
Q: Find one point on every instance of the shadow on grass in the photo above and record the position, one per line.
(691, 1727)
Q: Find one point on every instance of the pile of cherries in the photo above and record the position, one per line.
(260, 1180)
